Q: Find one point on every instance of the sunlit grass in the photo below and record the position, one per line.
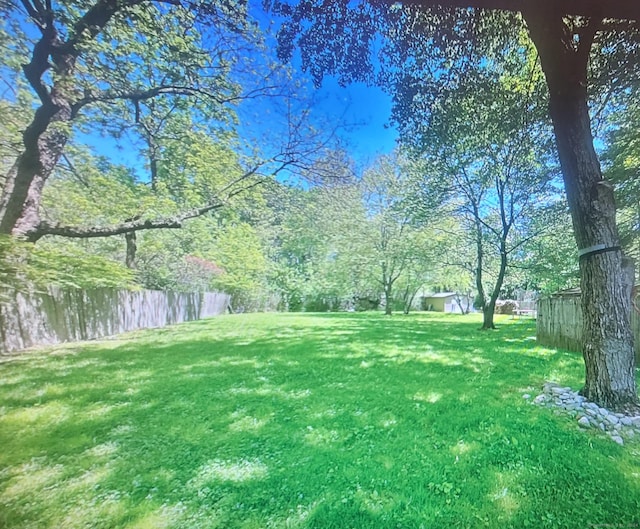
(305, 421)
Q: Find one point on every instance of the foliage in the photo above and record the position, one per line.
(341, 420)
(23, 266)
(548, 262)
(401, 248)
(238, 251)
(622, 160)
(491, 140)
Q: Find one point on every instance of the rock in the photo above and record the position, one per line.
(564, 401)
(617, 439)
(526, 396)
(584, 422)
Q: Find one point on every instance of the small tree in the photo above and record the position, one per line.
(496, 152)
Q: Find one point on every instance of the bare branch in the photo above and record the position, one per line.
(74, 171)
(126, 227)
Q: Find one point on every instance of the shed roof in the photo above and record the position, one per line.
(442, 295)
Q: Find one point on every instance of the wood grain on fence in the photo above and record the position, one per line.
(56, 316)
(559, 323)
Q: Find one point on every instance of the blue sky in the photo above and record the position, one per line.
(369, 108)
(366, 108)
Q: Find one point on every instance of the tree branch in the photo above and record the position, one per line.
(34, 12)
(177, 90)
(126, 227)
(136, 223)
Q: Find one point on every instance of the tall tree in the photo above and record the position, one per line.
(491, 140)
(432, 41)
(177, 73)
(73, 70)
(390, 225)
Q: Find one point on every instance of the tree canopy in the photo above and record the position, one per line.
(166, 83)
(429, 45)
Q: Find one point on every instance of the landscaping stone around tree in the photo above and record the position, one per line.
(588, 414)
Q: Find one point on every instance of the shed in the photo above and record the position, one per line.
(445, 302)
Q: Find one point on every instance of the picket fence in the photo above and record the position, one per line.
(57, 315)
(559, 323)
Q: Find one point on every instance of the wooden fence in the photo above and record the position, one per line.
(559, 323)
(56, 316)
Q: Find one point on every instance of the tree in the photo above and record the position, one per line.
(176, 77)
(72, 71)
(389, 225)
(420, 269)
(433, 38)
(346, 271)
(623, 169)
(311, 260)
(239, 252)
(547, 263)
(495, 149)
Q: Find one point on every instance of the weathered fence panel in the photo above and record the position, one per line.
(559, 323)
(56, 316)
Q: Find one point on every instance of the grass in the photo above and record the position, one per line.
(305, 421)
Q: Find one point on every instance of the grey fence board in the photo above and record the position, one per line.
(559, 323)
(56, 316)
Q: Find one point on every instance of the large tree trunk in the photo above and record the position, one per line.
(44, 143)
(44, 139)
(46, 136)
(607, 337)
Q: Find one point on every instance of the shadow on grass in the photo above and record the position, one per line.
(340, 420)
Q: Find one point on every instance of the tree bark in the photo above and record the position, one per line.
(132, 247)
(387, 300)
(607, 337)
(46, 136)
(44, 140)
(489, 310)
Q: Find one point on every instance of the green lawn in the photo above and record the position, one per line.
(305, 421)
